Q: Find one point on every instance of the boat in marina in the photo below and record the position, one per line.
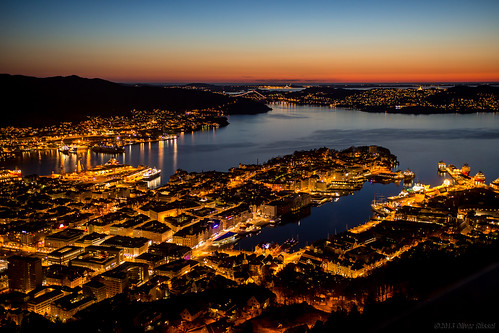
(63, 149)
(165, 137)
(379, 206)
(408, 174)
(442, 167)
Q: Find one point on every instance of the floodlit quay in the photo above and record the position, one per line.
(94, 234)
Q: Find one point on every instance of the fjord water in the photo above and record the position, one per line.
(418, 141)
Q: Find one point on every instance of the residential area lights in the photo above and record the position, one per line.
(119, 237)
(140, 127)
(435, 100)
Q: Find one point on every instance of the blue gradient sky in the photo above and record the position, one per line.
(185, 41)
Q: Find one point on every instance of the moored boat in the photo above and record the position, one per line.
(380, 208)
(408, 174)
(151, 174)
(165, 137)
(63, 149)
(442, 166)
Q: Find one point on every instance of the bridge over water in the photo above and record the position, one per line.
(244, 93)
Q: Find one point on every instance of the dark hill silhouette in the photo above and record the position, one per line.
(30, 101)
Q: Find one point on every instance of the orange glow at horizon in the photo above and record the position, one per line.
(292, 64)
(316, 72)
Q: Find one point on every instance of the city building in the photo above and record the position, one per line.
(132, 247)
(25, 273)
(95, 289)
(170, 251)
(41, 299)
(93, 238)
(126, 228)
(116, 282)
(66, 276)
(66, 307)
(194, 234)
(154, 230)
(63, 255)
(66, 237)
(99, 258)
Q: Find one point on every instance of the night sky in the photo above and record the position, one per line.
(252, 41)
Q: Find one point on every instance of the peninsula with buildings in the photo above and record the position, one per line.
(393, 98)
(106, 134)
(97, 249)
(408, 100)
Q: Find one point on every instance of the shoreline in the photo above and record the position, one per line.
(392, 110)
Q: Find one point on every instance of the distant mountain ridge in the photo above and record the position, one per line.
(31, 101)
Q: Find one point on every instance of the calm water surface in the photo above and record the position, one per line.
(419, 142)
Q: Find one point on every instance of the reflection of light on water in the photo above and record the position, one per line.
(128, 153)
(65, 163)
(175, 154)
(142, 150)
(161, 147)
(70, 162)
(150, 155)
(89, 157)
(152, 184)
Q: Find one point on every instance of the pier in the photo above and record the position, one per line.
(461, 176)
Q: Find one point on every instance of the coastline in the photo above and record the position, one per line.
(412, 110)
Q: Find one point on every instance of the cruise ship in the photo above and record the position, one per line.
(151, 174)
(7, 175)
